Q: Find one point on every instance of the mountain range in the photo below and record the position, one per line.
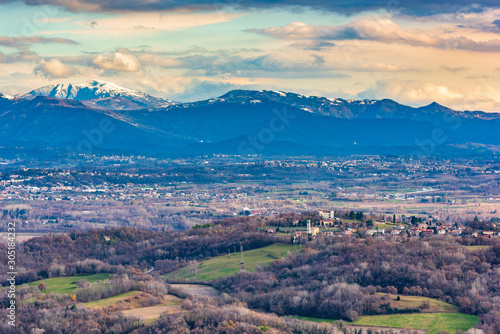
(100, 117)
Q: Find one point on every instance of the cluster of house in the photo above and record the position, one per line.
(422, 229)
(487, 234)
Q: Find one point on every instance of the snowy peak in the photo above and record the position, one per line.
(272, 95)
(339, 108)
(102, 94)
(6, 97)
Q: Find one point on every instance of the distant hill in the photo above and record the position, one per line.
(99, 117)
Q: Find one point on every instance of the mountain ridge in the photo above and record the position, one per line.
(246, 122)
(106, 95)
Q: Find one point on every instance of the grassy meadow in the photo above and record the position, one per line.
(67, 284)
(434, 322)
(228, 265)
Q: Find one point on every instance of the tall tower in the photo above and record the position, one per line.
(308, 226)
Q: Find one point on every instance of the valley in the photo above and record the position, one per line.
(249, 167)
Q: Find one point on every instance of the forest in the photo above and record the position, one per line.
(331, 278)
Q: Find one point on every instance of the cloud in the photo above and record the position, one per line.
(383, 30)
(118, 62)
(454, 68)
(23, 56)
(158, 60)
(54, 69)
(255, 66)
(57, 20)
(203, 89)
(24, 42)
(417, 8)
(313, 45)
(380, 67)
(184, 89)
(144, 23)
(418, 93)
(296, 31)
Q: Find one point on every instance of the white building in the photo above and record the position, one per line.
(327, 214)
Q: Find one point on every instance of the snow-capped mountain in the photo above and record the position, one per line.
(348, 109)
(7, 97)
(101, 94)
(324, 106)
(239, 122)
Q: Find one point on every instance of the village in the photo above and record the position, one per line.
(393, 227)
(179, 194)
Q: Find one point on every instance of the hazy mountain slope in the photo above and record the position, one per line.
(48, 122)
(223, 122)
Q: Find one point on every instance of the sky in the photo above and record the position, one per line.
(414, 52)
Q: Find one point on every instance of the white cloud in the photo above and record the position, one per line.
(118, 62)
(157, 60)
(145, 23)
(54, 68)
(56, 20)
(382, 30)
(418, 93)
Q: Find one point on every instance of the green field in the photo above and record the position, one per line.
(473, 248)
(330, 321)
(67, 284)
(111, 300)
(226, 265)
(450, 322)
(413, 302)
